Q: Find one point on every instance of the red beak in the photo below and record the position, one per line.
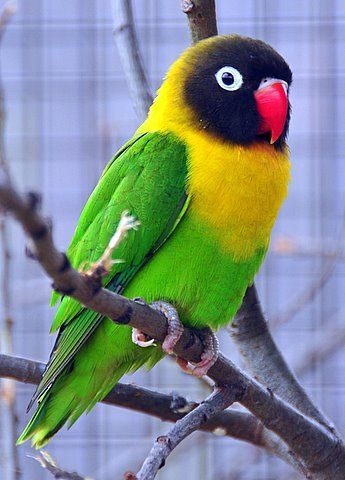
(272, 104)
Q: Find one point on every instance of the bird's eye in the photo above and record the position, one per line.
(229, 78)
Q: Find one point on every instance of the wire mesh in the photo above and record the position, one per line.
(69, 110)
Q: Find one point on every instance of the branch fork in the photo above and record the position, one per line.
(220, 399)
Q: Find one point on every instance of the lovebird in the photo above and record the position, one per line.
(205, 175)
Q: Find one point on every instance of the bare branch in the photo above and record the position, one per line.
(320, 450)
(201, 16)
(233, 423)
(128, 48)
(197, 11)
(165, 444)
(263, 358)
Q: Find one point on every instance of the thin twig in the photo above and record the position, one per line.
(231, 423)
(133, 68)
(165, 444)
(128, 48)
(49, 464)
(269, 355)
(315, 445)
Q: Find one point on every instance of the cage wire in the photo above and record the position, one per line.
(69, 110)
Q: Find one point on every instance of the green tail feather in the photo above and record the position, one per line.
(94, 372)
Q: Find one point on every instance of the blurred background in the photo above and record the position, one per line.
(69, 109)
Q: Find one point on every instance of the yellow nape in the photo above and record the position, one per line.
(235, 190)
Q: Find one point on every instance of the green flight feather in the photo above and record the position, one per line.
(90, 210)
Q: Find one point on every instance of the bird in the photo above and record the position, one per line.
(205, 175)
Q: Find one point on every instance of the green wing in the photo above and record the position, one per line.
(93, 207)
(147, 178)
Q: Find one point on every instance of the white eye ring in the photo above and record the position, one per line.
(237, 82)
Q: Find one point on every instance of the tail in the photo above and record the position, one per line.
(94, 371)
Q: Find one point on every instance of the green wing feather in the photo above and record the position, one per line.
(148, 179)
(92, 209)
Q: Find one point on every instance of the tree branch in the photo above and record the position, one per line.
(128, 48)
(232, 423)
(201, 16)
(165, 444)
(263, 358)
(319, 449)
(49, 464)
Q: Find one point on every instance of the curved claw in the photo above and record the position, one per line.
(140, 339)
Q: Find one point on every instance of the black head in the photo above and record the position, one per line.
(226, 73)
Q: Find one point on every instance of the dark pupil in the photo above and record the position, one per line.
(228, 78)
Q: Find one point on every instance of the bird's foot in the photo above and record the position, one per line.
(138, 337)
(175, 328)
(141, 339)
(208, 357)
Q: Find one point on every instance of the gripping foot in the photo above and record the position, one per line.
(209, 355)
(138, 337)
(175, 327)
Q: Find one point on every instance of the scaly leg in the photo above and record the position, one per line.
(175, 328)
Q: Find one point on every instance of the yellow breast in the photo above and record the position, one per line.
(237, 191)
